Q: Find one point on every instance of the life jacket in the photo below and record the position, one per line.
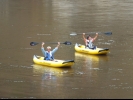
(90, 45)
(48, 56)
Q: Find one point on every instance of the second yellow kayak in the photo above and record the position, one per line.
(97, 51)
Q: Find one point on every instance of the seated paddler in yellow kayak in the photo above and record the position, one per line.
(89, 41)
(49, 54)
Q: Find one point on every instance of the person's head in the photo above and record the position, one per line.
(48, 48)
(88, 37)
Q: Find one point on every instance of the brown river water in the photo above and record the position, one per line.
(92, 76)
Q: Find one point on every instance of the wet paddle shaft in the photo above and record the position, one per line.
(66, 43)
(106, 33)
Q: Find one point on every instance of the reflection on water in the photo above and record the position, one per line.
(90, 60)
(50, 72)
(89, 64)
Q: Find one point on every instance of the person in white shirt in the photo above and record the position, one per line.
(89, 41)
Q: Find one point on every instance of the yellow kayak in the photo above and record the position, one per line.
(55, 63)
(97, 51)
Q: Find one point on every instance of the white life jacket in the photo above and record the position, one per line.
(89, 44)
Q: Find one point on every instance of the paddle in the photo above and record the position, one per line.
(106, 33)
(66, 43)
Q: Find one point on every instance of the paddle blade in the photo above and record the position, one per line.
(33, 43)
(67, 43)
(73, 33)
(108, 33)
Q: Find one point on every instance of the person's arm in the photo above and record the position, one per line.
(42, 49)
(84, 38)
(58, 45)
(56, 48)
(42, 44)
(95, 37)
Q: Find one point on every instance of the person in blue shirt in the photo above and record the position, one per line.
(49, 54)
